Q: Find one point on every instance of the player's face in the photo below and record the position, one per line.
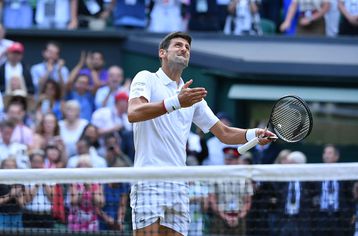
(178, 52)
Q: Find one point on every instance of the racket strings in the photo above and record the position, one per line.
(290, 119)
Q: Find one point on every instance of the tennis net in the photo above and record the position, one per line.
(284, 199)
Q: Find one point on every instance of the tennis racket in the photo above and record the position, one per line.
(290, 119)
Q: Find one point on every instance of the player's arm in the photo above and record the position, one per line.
(139, 109)
(232, 135)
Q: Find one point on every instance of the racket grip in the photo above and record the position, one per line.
(247, 146)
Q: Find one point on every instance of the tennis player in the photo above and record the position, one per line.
(163, 108)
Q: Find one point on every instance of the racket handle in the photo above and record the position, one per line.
(247, 146)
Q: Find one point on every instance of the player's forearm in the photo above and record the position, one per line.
(229, 135)
(145, 111)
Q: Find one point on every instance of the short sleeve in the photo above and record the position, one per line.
(141, 86)
(204, 117)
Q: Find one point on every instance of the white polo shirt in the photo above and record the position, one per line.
(162, 141)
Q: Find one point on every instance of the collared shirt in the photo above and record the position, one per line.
(162, 141)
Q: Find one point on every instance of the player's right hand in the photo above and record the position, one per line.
(189, 96)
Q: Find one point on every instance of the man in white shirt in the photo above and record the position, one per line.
(163, 108)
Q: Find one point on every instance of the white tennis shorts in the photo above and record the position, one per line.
(166, 201)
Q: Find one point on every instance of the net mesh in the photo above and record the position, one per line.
(312, 199)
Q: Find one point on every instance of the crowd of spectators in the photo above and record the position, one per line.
(238, 17)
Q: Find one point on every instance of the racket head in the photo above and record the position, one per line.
(291, 119)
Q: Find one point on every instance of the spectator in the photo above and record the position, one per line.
(92, 65)
(115, 157)
(271, 10)
(294, 202)
(83, 149)
(86, 200)
(53, 67)
(292, 29)
(197, 149)
(50, 99)
(311, 20)
(46, 132)
(90, 14)
(332, 200)
(216, 155)
(204, 15)
(168, 10)
(4, 44)
(113, 120)
(12, 148)
(105, 95)
(54, 157)
(14, 67)
(81, 93)
(53, 14)
(11, 200)
(130, 14)
(112, 215)
(11, 10)
(39, 199)
(22, 133)
(349, 20)
(91, 133)
(243, 18)
(332, 18)
(71, 127)
(231, 201)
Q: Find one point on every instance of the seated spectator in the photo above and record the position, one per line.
(112, 215)
(113, 120)
(130, 14)
(311, 20)
(11, 10)
(12, 148)
(90, 132)
(168, 10)
(14, 67)
(90, 14)
(86, 200)
(231, 200)
(105, 95)
(243, 18)
(50, 99)
(92, 65)
(204, 15)
(16, 112)
(16, 83)
(54, 157)
(11, 200)
(53, 14)
(71, 127)
(349, 21)
(115, 157)
(83, 149)
(4, 44)
(52, 67)
(78, 89)
(46, 132)
(38, 208)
